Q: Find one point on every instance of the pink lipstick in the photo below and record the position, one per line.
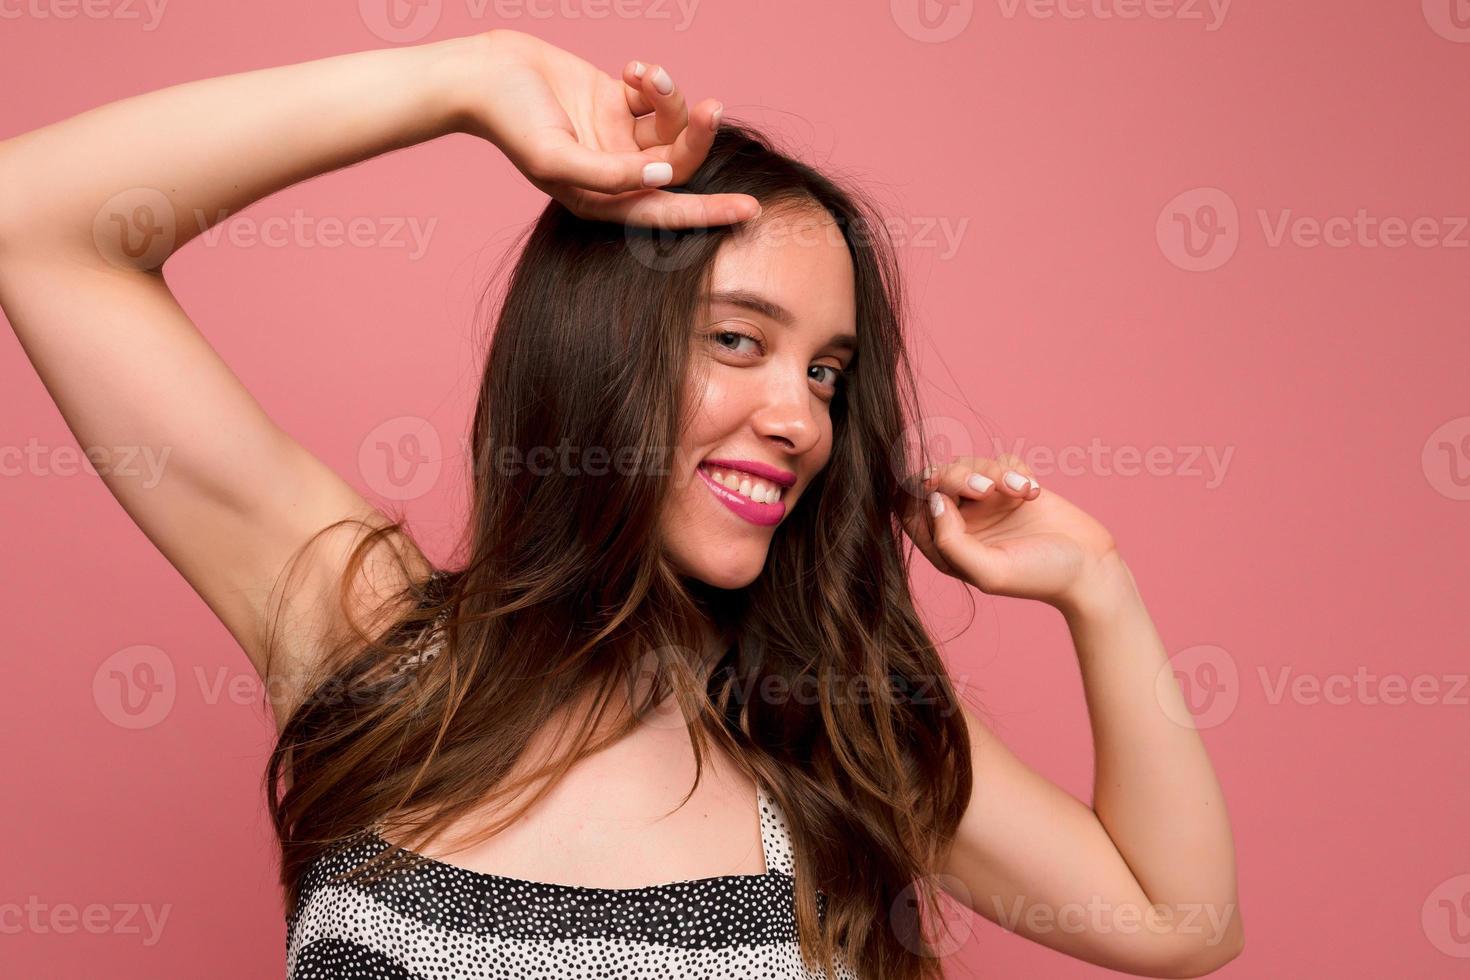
(764, 515)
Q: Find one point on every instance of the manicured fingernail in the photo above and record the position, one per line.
(928, 472)
(714, 119)
(657, 174)
(662, 81)
(980, 483)
(639, 68)
(936, 504)
(1016, 481)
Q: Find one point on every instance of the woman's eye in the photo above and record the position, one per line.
(833, 374)
(730, 339)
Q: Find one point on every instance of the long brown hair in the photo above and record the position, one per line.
(564, 590)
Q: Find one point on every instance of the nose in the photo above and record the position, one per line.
(785, 415)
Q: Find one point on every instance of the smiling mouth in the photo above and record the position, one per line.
(751, 498)
(746, 485)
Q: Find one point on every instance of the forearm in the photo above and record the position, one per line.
(212, 147)
(1155, 791)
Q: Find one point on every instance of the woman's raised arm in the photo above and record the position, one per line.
(1142, 880)
(90, 208)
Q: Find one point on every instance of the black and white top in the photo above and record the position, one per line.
(438, 921)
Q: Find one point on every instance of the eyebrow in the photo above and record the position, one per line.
(771, 310)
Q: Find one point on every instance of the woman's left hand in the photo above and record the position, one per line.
(1006, 539)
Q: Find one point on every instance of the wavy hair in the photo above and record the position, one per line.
(565, 592)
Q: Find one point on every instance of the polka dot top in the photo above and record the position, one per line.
(437, 921)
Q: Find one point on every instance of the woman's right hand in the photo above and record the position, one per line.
(599, 145)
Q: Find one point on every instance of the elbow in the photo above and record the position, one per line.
(1203, 959)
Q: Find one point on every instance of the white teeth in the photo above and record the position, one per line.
(746, 486)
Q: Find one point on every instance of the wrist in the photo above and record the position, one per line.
(1105, 586)
(456, 76)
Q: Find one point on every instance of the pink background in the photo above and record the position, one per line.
(1328, 547)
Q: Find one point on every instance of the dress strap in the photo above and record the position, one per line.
(775, 836)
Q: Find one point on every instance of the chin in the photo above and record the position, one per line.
(723, 567)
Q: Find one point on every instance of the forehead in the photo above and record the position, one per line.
(799, 260)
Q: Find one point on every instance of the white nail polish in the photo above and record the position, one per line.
(1016, 481)
(639, 68)
(714, 120)
(980, 483)
(657, 174)
(936, 504)
(662, 81)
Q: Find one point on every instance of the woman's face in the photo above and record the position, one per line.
(777, 328)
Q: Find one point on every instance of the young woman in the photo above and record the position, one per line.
(674, 713)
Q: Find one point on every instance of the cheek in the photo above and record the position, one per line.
(717, 409)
